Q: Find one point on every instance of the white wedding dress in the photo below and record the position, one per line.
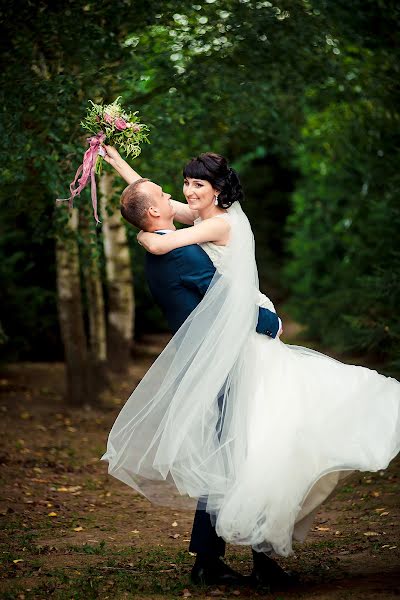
(294, 421)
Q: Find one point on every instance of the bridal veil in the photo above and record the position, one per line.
(175, 427)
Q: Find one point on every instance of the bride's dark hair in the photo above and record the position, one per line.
(215, 169)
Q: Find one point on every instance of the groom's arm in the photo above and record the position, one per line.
(197, 272)
(268, 322)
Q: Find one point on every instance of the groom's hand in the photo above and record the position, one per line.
(278, 335)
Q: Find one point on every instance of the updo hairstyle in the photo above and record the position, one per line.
(215, 169)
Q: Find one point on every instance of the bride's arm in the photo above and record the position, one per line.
(210, 230)
(183, 214)
(114, 159)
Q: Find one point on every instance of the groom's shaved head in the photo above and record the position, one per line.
(135, 203)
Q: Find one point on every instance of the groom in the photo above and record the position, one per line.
(178, 281)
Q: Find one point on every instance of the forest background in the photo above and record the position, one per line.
(302, 96)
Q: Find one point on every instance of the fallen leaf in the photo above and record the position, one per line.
(175, 536)
(186, 594)
(52, 514)
(25, 415)
(392, 547)
(70, 488)
(174, 524)
(135, 531)
(236, 593)
(78, 528)
(383, 514)
(6, 511)
(371, 533)
(375, 494)
(18, 560)
(323, 528)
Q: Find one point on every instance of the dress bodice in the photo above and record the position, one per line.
(217, 255)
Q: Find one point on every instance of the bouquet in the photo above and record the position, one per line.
(109, 124)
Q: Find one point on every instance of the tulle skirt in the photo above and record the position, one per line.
(310, 421)
(301, 422)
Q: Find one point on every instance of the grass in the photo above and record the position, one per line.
(100, 548)
(104, 561)
(155, 573)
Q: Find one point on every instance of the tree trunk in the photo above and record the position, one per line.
(121, 303)
(3, 337)
(71, 313)
(95, 309)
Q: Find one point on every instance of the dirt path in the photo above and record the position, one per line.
(71, 531)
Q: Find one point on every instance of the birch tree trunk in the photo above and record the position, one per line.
(95, 309)
(121, 304)
(70, 313)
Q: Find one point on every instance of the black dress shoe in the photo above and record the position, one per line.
(215, 572)
(267, 573)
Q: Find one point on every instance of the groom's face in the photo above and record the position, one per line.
(161, 206)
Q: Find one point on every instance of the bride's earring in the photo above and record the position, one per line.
(216, 200)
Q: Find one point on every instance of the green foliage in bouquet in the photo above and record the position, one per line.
(121, 128)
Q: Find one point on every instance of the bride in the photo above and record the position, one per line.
(262, 429)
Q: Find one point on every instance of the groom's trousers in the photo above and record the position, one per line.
(204, 539)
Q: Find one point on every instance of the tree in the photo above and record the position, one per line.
(344, 269)
(246, 77)
(92, 277)
(71, 313)
(121, 307)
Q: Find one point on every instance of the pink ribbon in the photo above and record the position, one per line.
(87, 168)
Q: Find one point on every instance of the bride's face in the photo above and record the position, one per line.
(199, 193)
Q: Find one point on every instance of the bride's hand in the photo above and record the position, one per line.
(112, 155)
(149, 241)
